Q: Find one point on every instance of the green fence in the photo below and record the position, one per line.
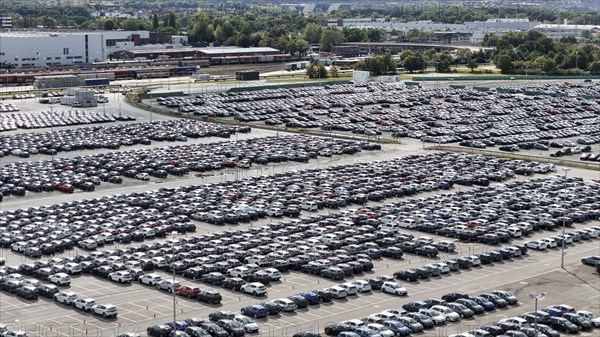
(161, 94)
(287, 86)
(503, 78)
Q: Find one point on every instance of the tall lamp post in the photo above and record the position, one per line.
(174, 234)
(536, 296)
(562, 250)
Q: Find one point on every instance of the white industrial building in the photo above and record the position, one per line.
(38, 49)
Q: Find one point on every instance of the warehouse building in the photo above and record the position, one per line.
(216, 55)
(38, 49)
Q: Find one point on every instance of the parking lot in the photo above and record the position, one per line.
(335, 177)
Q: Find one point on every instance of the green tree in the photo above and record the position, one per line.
(545, 63)
(594, 68)
(414, 63)
(330, 38)
(443, 62)
(503, 62)
(155, 23)
(244, 41)
(316, 70)
(172, 20)
(374, 35)
(109, 25)
(333, 71)
(472, 63)
(312, 33)
(201, 30)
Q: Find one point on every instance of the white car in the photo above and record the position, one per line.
(142, 176)
(105, 310)
(120, 276)
(589, 316)
(60, 279)
(73, 268)
(159, 262)
(380, 329)
(474, 260)
(393, 288)
(241, 272)
(536, 244)
(167, 285)
(254, 288)
(150, 279)
(350, 288)
(451, 315)
(14, 276)
(337, 292)
(249, 325)
(550, 243)
(362, 285)
(84, 304)
(515, 320)
(66, 297)
(274, 212)
(435, 316)
(17, 333)
(273, 273)
(30, 282)
(445, 268)
(286, 304)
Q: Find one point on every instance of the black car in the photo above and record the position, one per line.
(234, 283)
(233, 328)
(407, 275)
(161, 330)
(47, 290)
(453, 296)
(272, 308)
(300, 301)
(214, 330)
(28, 292)
(325, 296)
(213, 278)
(336, 329)
(223, 314)
(210, 297)
(196, 331)
(375, 283)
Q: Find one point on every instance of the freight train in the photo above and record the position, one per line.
(110, 74)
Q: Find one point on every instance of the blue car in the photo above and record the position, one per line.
(397, 328)
(415, 306)
(347, 334)
(487, 305)
(312, 298)
(256, 311)
(506, 253)
(179, 325)
(553, 312)
(373, 253)
(366, 332)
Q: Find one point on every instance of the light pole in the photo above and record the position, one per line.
(173, 234)
(562, 250)
(536, 296)
(52, 131)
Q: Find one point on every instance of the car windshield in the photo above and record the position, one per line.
(236, 324)
(246, 319)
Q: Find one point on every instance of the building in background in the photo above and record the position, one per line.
(38, 48)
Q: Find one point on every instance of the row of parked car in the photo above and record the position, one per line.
(112, 137)
(144, 215)
(219, 324)
(417, 316)
(31, 289)
(57, 118)
(490, 119)
(85, 172)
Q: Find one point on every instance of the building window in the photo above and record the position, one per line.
(65, 51)
(57, 58)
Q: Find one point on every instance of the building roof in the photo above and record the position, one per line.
(208, 50)
(37, 34)
(235, 50)
(565, 27)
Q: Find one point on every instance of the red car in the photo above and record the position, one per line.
(66, 188)
(187, 291)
